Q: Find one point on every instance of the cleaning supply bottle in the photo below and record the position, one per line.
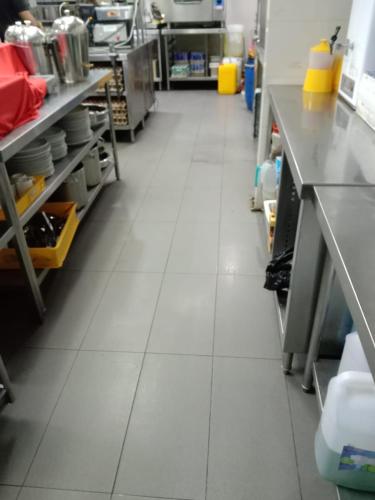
(345, 440)
(319, 76)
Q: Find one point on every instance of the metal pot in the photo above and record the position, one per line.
(72, 39)
(31, 45)
(13, 32)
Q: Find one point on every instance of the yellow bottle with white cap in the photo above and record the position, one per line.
(319, 76)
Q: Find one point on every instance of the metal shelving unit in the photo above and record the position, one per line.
(54, 108)
(137, 80)
(169, 34)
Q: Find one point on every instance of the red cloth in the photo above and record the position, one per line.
(20, 97)
(10, 62)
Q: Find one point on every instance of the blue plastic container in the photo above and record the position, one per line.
(250, 83)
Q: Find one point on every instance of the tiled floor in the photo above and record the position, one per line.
(156, 374)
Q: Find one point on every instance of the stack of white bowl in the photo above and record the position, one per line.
(77, 126)
(34, 159)
(56, 139)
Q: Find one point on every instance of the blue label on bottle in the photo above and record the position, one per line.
(356, 459)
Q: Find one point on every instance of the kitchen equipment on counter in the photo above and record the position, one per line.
(56, 139)
(105, 33)
(360, 54)
(72, 51)
(117, 12)
(97, 113)
(93, 171)
(77, 126)
(319, 75)
(196, 11)
(74, 188)
(34, 160)
(31, 45)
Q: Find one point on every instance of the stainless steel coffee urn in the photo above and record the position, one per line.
(31, 45)
(72, 39)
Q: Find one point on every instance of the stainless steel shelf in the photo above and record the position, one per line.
(62, 169)
(93, 192)
(193, 31)
(54, 108)
(113, 94)
(193, 79)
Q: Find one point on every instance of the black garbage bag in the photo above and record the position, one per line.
(278, 271)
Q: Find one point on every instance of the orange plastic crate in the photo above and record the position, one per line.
(48, 258)
(23, 203)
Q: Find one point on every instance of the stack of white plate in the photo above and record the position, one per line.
(34, 159)
(56, 138)
(77, 126)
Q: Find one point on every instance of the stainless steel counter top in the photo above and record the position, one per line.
(100, 53)
(347, 217)
(193, 31)
(54, 108)
(325, 141)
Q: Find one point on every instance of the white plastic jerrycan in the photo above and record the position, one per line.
(345, 440)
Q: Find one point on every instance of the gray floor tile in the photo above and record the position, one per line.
(194, 248)
(70, 309)
(8, 492)
(97, 245)
(82, 445)
(160, 205)
(239, 175)
(236, 151)
(200, 205)
(46, 494)
(171, 174)
(243, 247)
(118, 202)
(38, 377)
(246, 323)
(147, 247)
(208, 153)
(251, 446)
(123, 319)
(166, 446)
(130, 497)
(205, 175)
(184, 319)
(305, 419)
(235, 203)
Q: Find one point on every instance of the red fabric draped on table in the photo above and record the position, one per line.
(20, 97)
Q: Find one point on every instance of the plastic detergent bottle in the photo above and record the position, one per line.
(345, 440)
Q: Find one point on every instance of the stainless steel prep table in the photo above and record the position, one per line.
(325, 144)
(346, 216)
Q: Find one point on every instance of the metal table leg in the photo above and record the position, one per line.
(287, 362)
(4, 380)
(319, 316)
(21, 245)
(166, 53)
(112, 131)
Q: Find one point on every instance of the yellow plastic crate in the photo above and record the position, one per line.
(48, 258)
(227, 79)
(23, 203)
